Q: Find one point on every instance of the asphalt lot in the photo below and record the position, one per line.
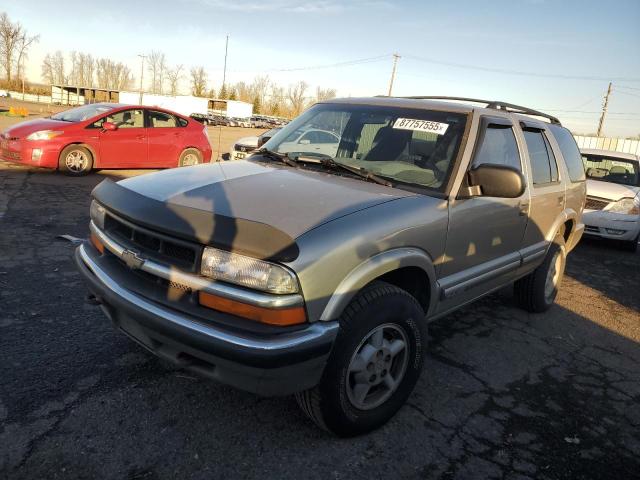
(505, 394)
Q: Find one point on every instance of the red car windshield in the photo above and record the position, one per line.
(82, 113)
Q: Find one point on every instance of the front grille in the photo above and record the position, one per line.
(594, 203)
(591, 229)
(10, 154)
(152, 244)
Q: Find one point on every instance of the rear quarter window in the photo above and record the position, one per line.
(570, 152)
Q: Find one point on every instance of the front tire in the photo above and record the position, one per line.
(190, 157)
(75, 161)
(537, 291)
(374, 365)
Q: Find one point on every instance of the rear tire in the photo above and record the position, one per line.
(537, 291)
(75, 161)
(190, 157)
(374, 365)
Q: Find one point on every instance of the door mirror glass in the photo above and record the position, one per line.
(109, 126)
(492, 180)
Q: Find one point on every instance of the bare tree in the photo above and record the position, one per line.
(198, 82)
(173, 77)
(53, 68)
(157, 66)
(325, 94)
(14, 44)
(295, 95)
(83, 67)
(113, 75)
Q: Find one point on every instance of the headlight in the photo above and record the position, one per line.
(629, 206)
(97, 212)
(44, 135)
(248, 272)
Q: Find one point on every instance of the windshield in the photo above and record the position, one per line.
(614, 170)
(411, 146)
(82, 113)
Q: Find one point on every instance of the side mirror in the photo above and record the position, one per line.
(491, 180)
(262, 140)
(109, 126)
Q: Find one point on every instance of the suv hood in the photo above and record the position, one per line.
(254, 208)
(609, 190)
(247, 142)
(23, 129)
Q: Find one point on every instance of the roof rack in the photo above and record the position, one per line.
(495, 104)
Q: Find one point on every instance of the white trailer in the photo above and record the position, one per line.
(239, 109)
(183, 104)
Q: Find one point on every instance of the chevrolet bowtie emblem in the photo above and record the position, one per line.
(132, 259)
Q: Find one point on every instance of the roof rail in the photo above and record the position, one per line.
(495, 104)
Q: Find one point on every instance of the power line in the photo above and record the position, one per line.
(520, 73)
(347, 63)
(628, 88)
(630, 94)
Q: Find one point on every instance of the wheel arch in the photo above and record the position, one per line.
(566, 225)
(411, 269)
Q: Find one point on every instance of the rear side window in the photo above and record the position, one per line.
(570, 152)
(543, 164)
(161, 120)
(498, 147)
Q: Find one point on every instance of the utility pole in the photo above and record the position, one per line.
(604, 111)
(224, 72)
(393, 72)
(142, 57)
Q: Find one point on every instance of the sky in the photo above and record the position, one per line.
(553, 55)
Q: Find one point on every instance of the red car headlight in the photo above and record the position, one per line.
(44, 134)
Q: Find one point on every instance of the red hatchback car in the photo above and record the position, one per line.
(107, 135)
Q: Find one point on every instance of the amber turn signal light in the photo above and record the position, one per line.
(95, 241)
(281, 317)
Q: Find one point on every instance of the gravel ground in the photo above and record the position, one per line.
(505, 394)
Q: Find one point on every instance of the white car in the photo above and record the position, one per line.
(244, 146)
(613, 196)
(311, 140)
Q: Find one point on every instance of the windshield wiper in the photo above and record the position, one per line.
(359, 171)
(284, 158)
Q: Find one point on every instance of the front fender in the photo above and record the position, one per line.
(373, 268)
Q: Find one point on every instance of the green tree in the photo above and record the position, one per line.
(257, 106)
(233, 95)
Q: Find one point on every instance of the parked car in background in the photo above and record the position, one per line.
(246, 145)
(612, 210)
(320, 141)
(312, 273)
(4, 94)
(107, 135)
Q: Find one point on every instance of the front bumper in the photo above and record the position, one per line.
(22, 152)
(612, 226)
(274, 364)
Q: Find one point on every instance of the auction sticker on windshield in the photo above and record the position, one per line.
(421, 125)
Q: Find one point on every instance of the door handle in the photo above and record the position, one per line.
(560, 199)
(524, 209)
(140, 137)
